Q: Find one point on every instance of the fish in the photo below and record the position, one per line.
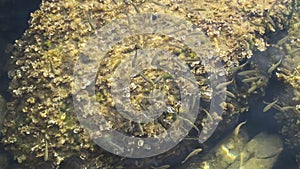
(91, 21)
(246, 72)
(190, 123)
(282, 41)
(180, 63)
(164, 76)
(191, 138)
(247, 46)
(250, 79)
(295, 50)
(162, 167)
(252, 88)
(199, 9)
(208, 115)
(270, 105)
(193, 153)
(282, 109)
(134, 59)
(46, 155)
(237, 129)
(116, 65)
(273, 67)
(224, 84)
(242, 156)
(271, 21)
(235, 69)
(158, 3)
(145, 78)
(228, 93)
(136, 8)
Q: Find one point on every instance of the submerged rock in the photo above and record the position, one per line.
(42, 126)
(5, 159)
(234, 152)
(3, 110)
(261, 152)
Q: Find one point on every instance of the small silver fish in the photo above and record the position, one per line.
(246, 72)
(237, 129)
(247, 46)
(252, 88)
(158, 3)
(190, 123)
(193, 153)
(146, 79)
(46, 155)
(250, 79)
(162, 167)
(273, 67)
(270, 105)
(222, 85)
(282, 109)
(91, 21)
(136, 8)
(228, 93)
(134, 59)
(235, 69)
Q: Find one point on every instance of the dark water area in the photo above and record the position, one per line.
(259, 121)
(14, 16)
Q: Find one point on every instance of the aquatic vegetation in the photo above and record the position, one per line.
(41, 128)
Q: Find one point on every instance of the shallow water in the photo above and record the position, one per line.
(13, 24)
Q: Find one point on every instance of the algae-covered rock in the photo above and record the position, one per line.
(288, 107)
(41, 128)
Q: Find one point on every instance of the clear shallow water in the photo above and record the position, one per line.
(13, 24)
